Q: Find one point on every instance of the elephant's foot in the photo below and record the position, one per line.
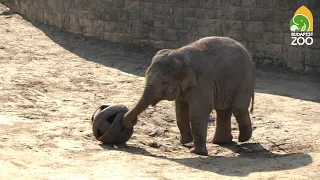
(245, 133)
(222, 139)
(184, 139)
(200, 151)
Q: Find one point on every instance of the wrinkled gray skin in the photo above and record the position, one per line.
(211, 73)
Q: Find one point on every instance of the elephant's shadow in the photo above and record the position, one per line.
(252, 157)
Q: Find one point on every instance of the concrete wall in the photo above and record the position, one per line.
(261, 25)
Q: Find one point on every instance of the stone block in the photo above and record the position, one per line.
(82, 4)
(163, 21)
(234, 34)
(57, 19)
(40, 3)
(264, 4)
(242, 14)
(224, 3)
(132, 4)
(100, 16)
(146, 42)
(172, 44)
(253, 36)
(159, 44)
(249, 3)
(313, 57)
(163, 9)
(139, 31)
(85, 14)
(225, 13)
(98, 6)
(170, 34)
(272, 27)
(60, 6)
(118, 3)
(147, 13)
(110, 27)
(210, 4)
(65, 21)
(185, 36)
(74, 21)
(235, 3)
(215, 27)
(85, 27)
(194, 3)
(24, 8)
(51, 5)
(286, 4)
(286, 27)
(253, 26)
(178, 3)
(189, 12)
(123, 28)
(273, 51)
(280, 16)
(155, 33)
(190, 24)
(287, 39)
(31, 13)
(68, 4)
(277, 38)
(267, 37)
(117, 14)
(234, 25)
(178, 18)
(147, 9)
(204, 27)
(207, 14)
(47, 17)
(123, 37)
(259, 50)
(40, 15)
(296, 58)
(98, 29)
(259, 14)
(112, 37)
(316, 42)
(134, 15)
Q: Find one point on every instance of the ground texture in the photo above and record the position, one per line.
(52, 81)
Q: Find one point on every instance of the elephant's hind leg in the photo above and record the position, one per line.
(183, 122)
(223, 127)
(244, 122)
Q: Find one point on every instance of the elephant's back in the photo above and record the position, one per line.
(221, 52)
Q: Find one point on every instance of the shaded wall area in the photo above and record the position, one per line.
(262, 26)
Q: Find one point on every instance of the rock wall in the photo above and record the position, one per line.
(261, 25)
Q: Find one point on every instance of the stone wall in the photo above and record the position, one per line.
(261, 25)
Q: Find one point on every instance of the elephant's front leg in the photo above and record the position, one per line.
(199, 110)
(182, 115)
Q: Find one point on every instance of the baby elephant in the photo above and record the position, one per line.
(211, 73)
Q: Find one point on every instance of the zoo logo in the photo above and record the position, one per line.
(301, 27)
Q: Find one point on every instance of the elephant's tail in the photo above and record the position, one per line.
(252, 102)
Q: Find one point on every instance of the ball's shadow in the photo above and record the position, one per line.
(252, 157)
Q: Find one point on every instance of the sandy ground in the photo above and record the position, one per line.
(52, 81)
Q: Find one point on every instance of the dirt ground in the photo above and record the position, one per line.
(52, 81)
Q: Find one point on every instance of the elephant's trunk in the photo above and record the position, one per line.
(130, 118)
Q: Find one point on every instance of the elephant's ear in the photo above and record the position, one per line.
(189, 78)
